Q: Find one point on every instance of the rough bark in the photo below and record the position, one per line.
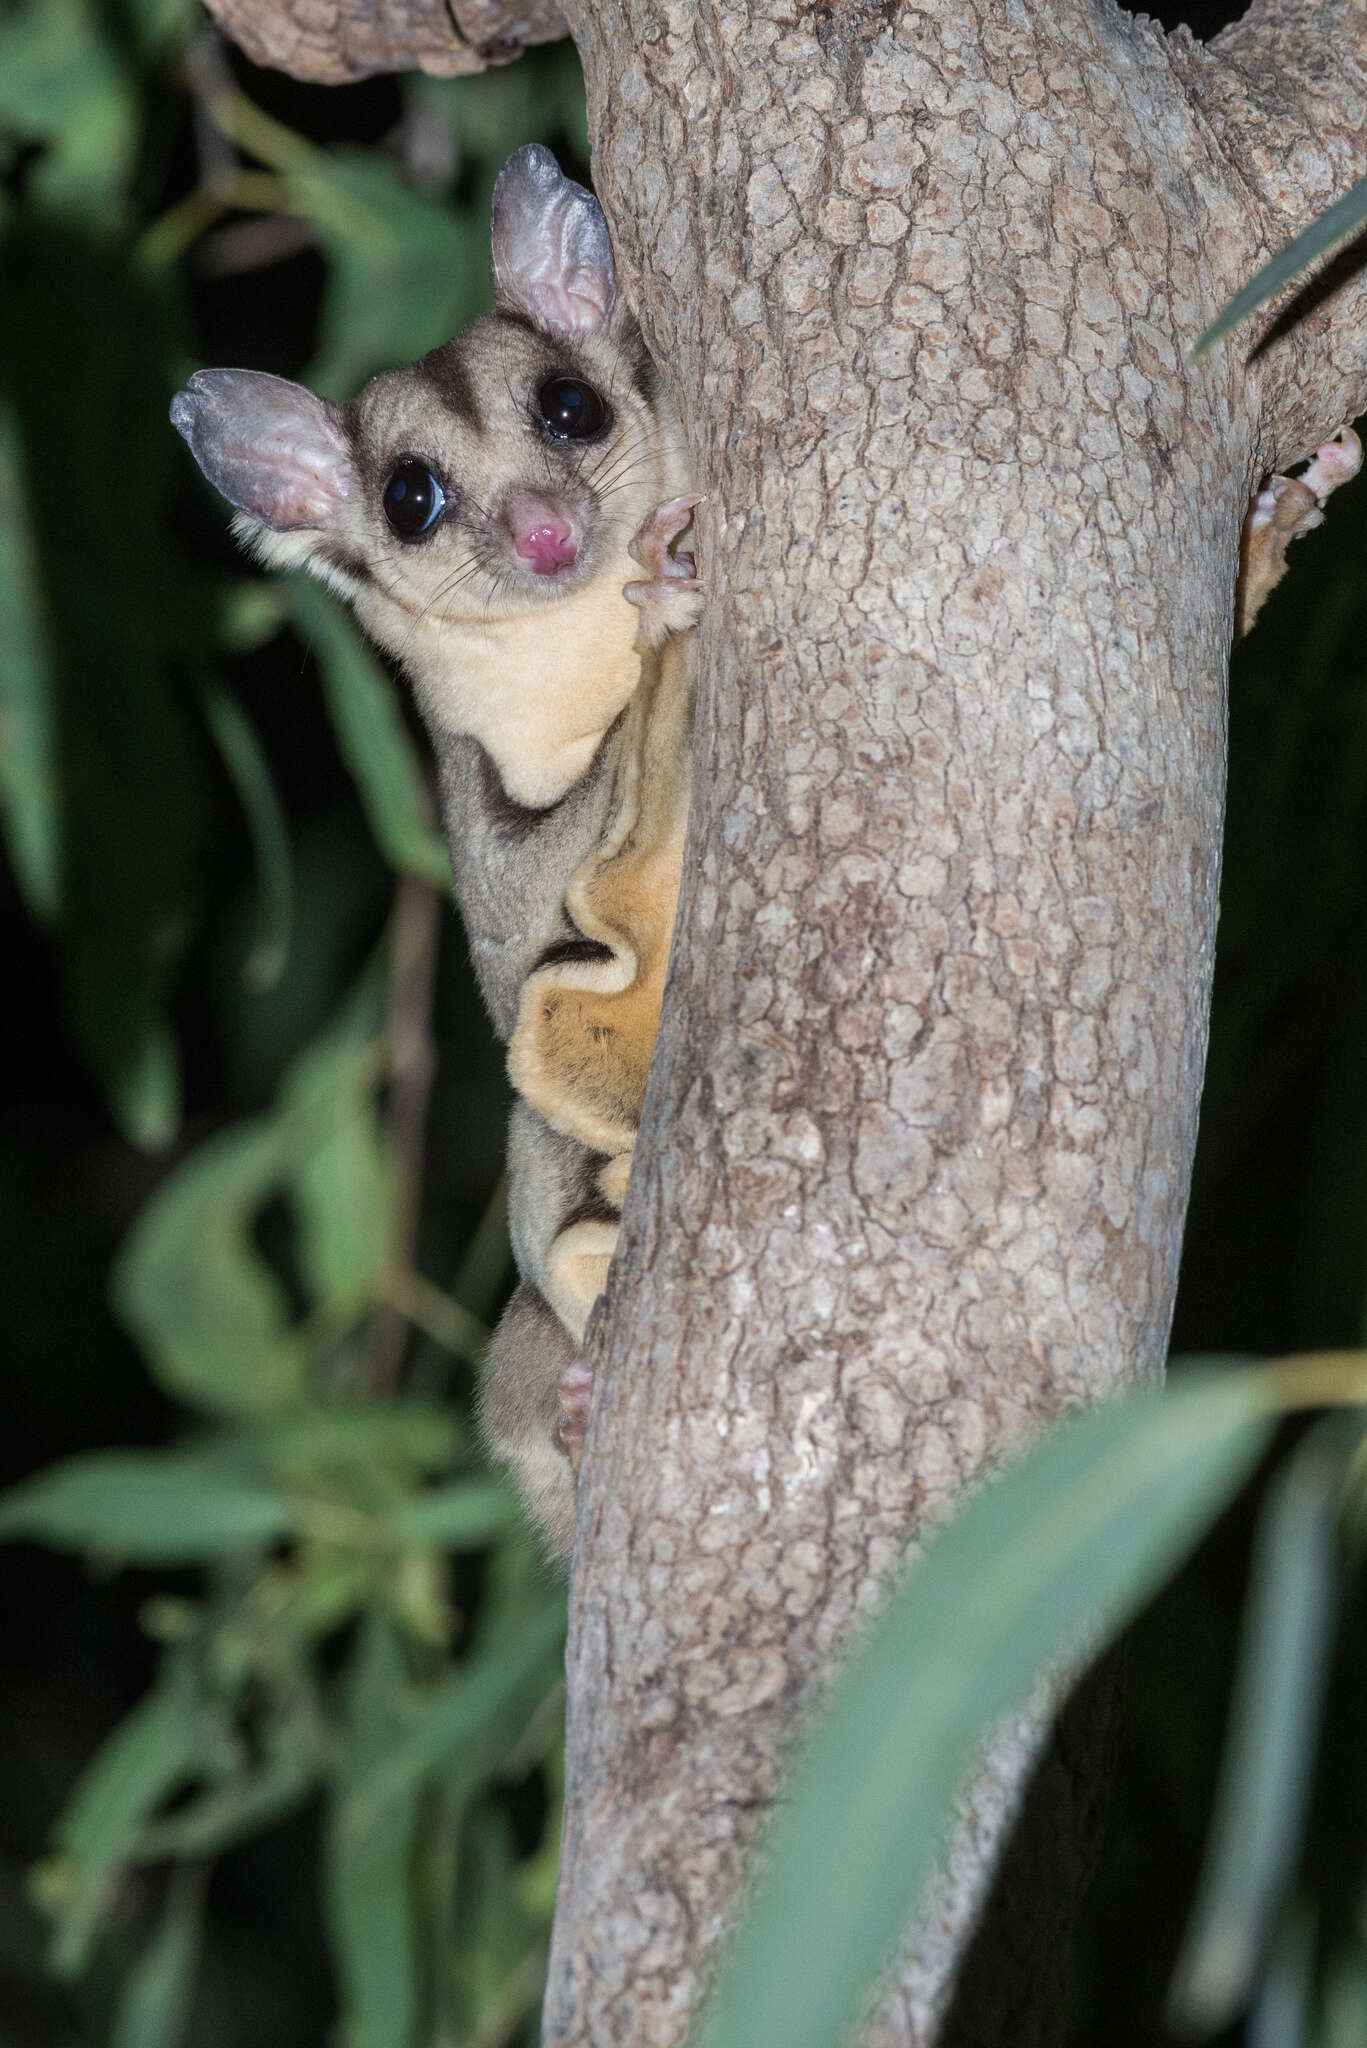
(921, 1120)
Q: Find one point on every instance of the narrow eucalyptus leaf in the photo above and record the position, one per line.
(1343, 2010)
(235, 1811)
(154, 2000)
(250, 772)
(339, 1170)
(320, 1442)
(1274, 1723)
(151, 1753)
(465, 1723)
(1342, 219)
(29, 790)
(1281, 2013)
(464, 1516)
(146, 1507)
(1047, 1561)
(368, 1876)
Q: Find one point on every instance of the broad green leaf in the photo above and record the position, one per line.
(147, 1507)
(1037, 1566)
(154, 2000)
(372, 736)
(369, 1876)
(190, 1286)
(1274, 1722)
(28, 744)
(464, 1516)
(1342, 219)
(152, 1752)
(245, 760)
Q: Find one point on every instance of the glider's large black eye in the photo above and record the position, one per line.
(412, 498)
(573, 411)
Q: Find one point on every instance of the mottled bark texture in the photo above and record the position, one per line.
(923, 278)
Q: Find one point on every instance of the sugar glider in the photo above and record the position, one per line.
(1285, 508)
(501, 515)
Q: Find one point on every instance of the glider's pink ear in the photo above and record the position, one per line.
(276, 452)
(552, 257)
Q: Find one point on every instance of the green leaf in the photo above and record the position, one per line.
(1038, 1565)
(369, 1877)
(1278, 1695)
(144, 1085)
(245, 760)
(247, 614)
(491, 1929)
(481, 1279)
(1281, 2013)
(28, 746)
(63, 84)
(404, 271)
(339, 1169)
(154, 23)
(128, 774)
(1343, 2020)
(147, 1507)
(464, 1516)
(151, 1753)
(1342, 219)
(461, 1727)
(244, 1806)
(372, 736)
(190, 1286)
(154, 2002)
(321, 1441)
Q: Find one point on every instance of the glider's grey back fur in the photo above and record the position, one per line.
(512, 866)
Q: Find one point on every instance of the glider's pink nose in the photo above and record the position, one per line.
(543, 537)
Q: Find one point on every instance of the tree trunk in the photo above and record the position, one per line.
(919, 1133)
(921, 1121)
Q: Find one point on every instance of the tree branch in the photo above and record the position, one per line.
(1285, 92)
(332, 42)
